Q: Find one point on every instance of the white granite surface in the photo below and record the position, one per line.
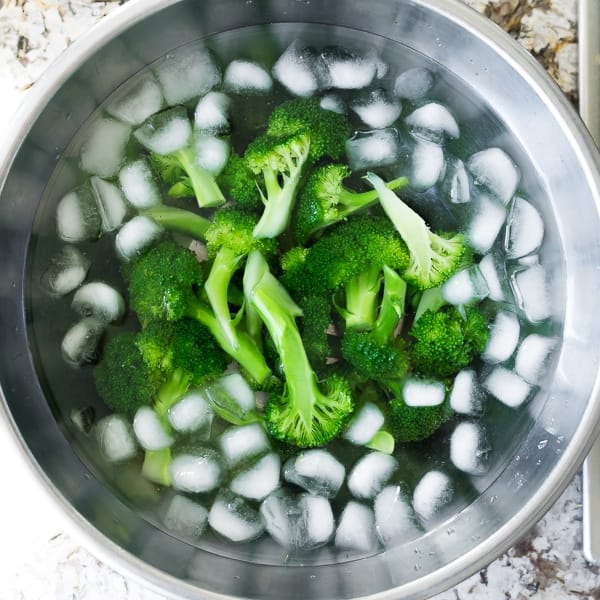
(39, 560)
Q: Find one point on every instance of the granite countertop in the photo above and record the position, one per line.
(39, 560)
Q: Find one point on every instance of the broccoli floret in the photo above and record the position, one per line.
(186, 178)
(433, 257)
(122, 378)
(324, 200)
(327, 130)
(238, 182)
(164, 284)
(302, 414)
(314, 326)
(416, 423)
(279, 163)
(447, 341)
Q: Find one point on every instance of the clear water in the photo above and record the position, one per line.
(71, 389)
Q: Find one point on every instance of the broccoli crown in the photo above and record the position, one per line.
(446, 341)
(416, 423)
(314, 324)
(281, 154)
(162, 282)
(343, 252)
(373, 359)
(184, 345)
(328, 130)
(232, 228)
(287, 420)
(237, 181)
(122, 378)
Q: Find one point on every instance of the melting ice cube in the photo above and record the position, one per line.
(348, 69)
(138, 185)
(507, 386)
(356, 529)
(417, 392)
(80, 343)
(234, 518)
(103, 151)
(457, 181)
(165, 132)
(466, 396)
(137, 101)
(427, 165)
(469, 448)
(333, 103)
(486, 222)
(377, 110)
(533, 356)
(149, 430)
(364, 425)
(394, 516)
(317, 471)
(493, 270)
(370, 149)
(524, 229)
(531, 290)
(433, 491)
(112, 207)
(115, 438)
(77, 217)
(186, 73)
(185, 517)
(413, 83)
(212, 113)
(136, 235)
(465, 287)
(259, 480)
(370, 474)
(196, 471)
(67, 270)
(504, 337)
(100, 300)
(495, 171)
(243, 443)
(244, 76)
(433, 122)
(212, 153)
(192, 413)
(296, 70)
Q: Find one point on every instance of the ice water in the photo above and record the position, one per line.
(374, 79)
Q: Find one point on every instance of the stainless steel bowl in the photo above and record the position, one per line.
(538, 455)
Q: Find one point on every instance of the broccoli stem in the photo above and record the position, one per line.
(392, 306)
(205, 187)
(362, 292)
(156, 466)
(354, 201)
(431, 299)
(169, 392)
(245, 351)
(216, 287)
(178, 219)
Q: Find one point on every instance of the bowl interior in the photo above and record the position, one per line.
(535, 447)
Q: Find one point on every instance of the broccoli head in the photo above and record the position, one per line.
(238, 182)
(417, 423)
(446, 341)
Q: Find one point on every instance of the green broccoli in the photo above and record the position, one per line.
(417, 423)
(445, 341)
(178, 219)
(324, 200)
(238, 183)
(433, 257)
(164, 284)
(303, 414)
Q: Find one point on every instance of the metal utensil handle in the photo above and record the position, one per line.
(589, 108)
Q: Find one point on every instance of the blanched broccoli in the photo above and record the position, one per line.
(433, 257)
(164, 284)
(417, 423)
(445, 340)
(303, 414)
(238, 182)
(324, 200)
(178, 219)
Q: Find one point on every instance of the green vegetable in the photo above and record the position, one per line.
(238, 183)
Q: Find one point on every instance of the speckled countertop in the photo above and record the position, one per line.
(38, 558)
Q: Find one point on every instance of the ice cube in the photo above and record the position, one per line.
(370, 149)
(419, 392)
(196, 471)
(165, 132)
(259, 480)
(433, 122)
(394, 516)
(137, 101)
(466, 397)
(485, 224)
(77, 217)
(356, 529)
(149, 430)
(232, 395)
(242, 443)
(433, 491)
(333, 103)
(531, 290)
(244, 76)
(377, 110)
(186, 73)
(495, 171)
(317, 471)
(138, 185)
(103, 150)
(427, 165)
(112, 207)
(295, 70)
(212, 113)
(364, 424)
(80, 344)
(83, 418)
(467, 286)
(192, 414)
(115, 438)
(469, 448)
(212, 153)
(100, 300)
(67, 270)
(298, 521)
(507, 386)
(348, 69)
(457, 181)
(135, 236)
(524, 229)
(493, 270)
(504, 337)
(234, 518)
(413, 83)
(533, 357)
(185, 517)
(370, 474)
